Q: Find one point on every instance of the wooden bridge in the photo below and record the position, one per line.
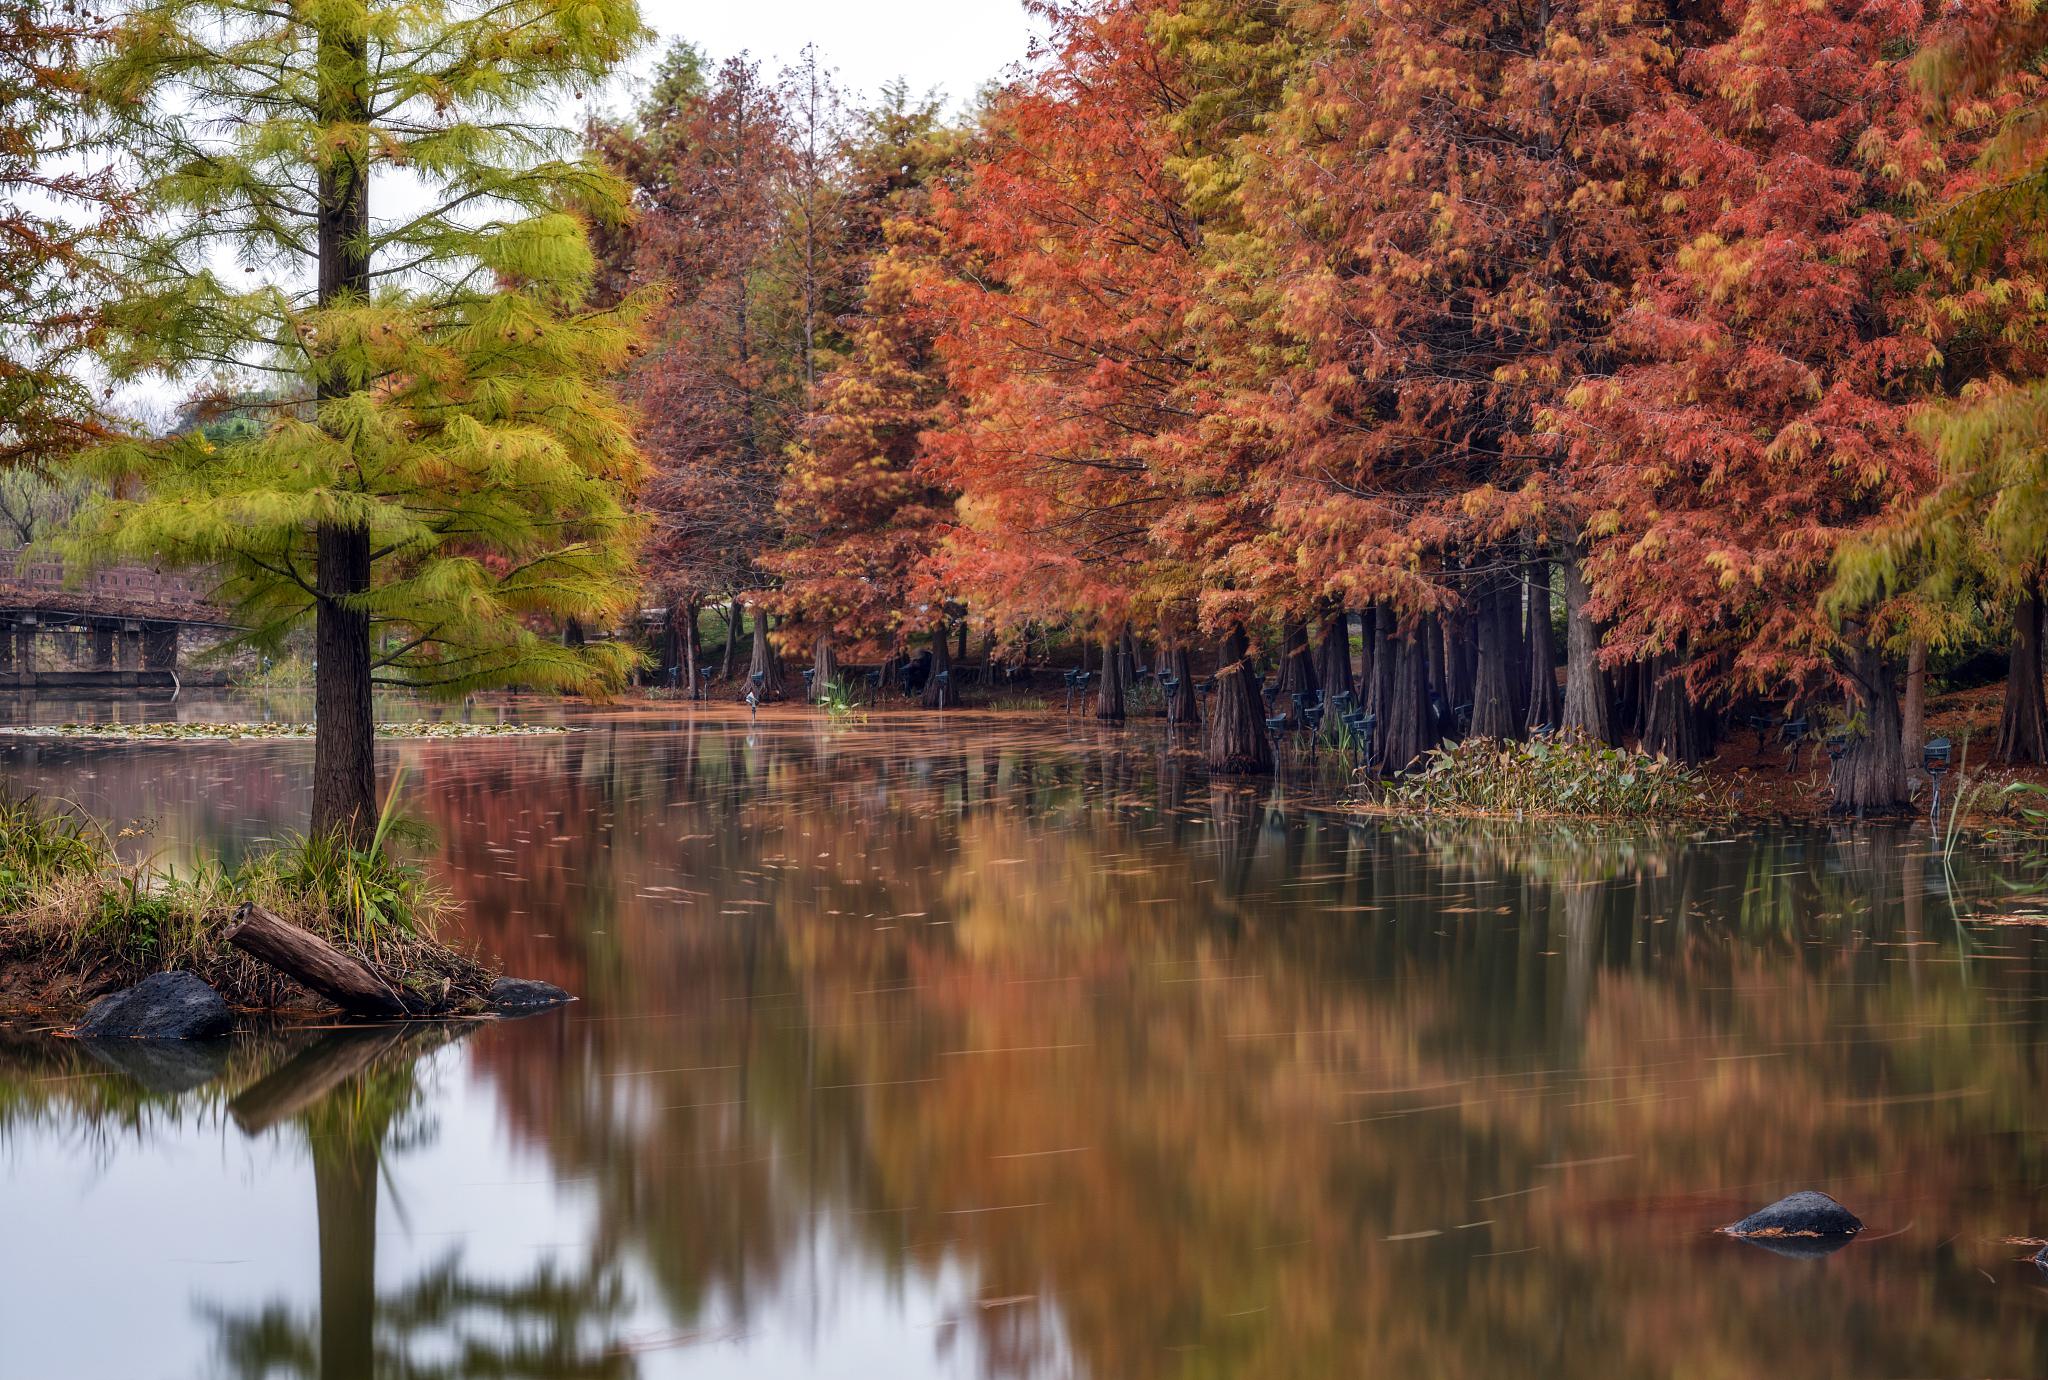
(111, 629)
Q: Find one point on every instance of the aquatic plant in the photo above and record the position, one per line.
(1560, 776)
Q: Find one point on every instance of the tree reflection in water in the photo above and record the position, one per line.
(1050, 1058)
(1182, 1075)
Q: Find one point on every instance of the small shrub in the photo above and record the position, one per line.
(1565, 776)
(838, 700)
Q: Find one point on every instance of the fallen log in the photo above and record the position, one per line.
(313, 963)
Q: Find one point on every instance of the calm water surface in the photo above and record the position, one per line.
(985, 1048)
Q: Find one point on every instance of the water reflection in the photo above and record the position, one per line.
(980, 1049)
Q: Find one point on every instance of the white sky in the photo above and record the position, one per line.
(954, 45)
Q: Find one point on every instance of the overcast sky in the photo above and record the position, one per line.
(955, 45)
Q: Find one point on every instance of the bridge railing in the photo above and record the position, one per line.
(114, 590)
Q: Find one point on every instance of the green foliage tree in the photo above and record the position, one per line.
(443, 471)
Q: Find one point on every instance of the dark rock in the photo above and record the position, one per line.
(1803, 1216)
(2041, 1257)
(525, 994)
(165, 1067)
(163, 1006)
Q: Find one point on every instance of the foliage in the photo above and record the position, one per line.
(1774, 364)
(717, 392)
(59, 204)
(41, 844)
(840, 701)
(441, 470)
(1568, 776)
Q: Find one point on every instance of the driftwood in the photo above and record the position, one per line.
(313, 963)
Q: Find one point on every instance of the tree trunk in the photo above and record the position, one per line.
(572, 632)
(1363, 685)
(2023, 726)
(824, 664)
(1380, 692)
(1109, 699)
(1507, 609)
(960, 651)
(693, 660)
(1187, 705)
(1588, 707)
(765, 675)
(1870, 777)
(1493, 696)
(1333, 655)
(1436, 634)
(1461, 664)
(345, 1173)
(344, 725)
(345, 733)
(733, 614)
(1297, 670)
(1913, 720)
(1236, 743)
(1672, 726)
(939, 690)
(1546, 705)
(1409, 730)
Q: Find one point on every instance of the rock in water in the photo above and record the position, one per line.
(524, 994)
(163, 1006)
(1804, 1214)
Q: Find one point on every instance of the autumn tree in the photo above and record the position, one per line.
(722, 392)
(445, 467)
(1435, 240)
(1774, 365)
(59, 202)
(1069, 337)
(864, 517)
(1981, 538)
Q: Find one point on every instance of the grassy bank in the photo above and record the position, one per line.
(76, 921)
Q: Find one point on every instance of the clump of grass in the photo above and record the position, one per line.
(1020, 704)
(41, 844)
(101, 922)
(1566, 776)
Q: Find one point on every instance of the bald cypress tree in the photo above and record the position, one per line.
(362, 203)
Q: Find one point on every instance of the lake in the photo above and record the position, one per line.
(963, 1046)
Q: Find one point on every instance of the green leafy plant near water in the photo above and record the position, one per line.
(838, 701)
(1565, 776)
(72, 908)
